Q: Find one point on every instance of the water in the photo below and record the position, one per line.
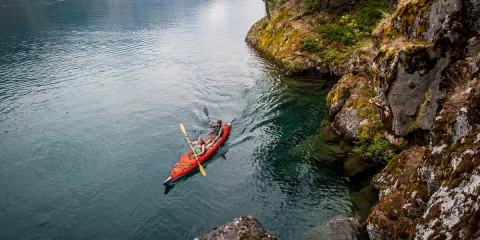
(91, 97)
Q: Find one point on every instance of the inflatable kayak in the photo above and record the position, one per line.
(188, 163)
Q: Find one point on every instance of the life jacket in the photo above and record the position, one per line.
(197, 149)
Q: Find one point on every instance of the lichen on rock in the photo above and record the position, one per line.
(245, 227)
(413, 82)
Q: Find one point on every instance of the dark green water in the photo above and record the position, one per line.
(92, 93)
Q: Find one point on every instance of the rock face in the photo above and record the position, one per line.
(429, 193)
(245, 227)
(419, 80)
(280, 39)
(414, 98)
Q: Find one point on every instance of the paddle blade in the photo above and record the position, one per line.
(183, 129)
(205, 110)
(202, 171)
(223, 154)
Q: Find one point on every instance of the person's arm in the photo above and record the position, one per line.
(203, 150)
(193, 142)
(219, 133)
(211, 125)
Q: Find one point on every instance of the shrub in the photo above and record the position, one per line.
(344, 32)
(264, 24)
(377, 149)
(368, 16)
(311, 5)
(279, 3)
(330, 56)
(310, 45)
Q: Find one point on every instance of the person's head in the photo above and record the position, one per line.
(219, 122)
(200, 141)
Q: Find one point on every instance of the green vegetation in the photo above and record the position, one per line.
(311, 5)
(317, 27)
(264, 24)
(311, 45)
(376, 148)
(344, 31)
(368, 16)
(276, 3)
(331, 57)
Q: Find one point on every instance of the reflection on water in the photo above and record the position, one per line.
(91, 97)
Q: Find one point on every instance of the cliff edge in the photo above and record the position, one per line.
(408, 99)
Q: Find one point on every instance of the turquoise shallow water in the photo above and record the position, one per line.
(91, 97)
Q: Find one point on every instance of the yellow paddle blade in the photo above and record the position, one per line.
(202, 171)
(183, 129)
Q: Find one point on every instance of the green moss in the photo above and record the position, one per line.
(409, 13)
(284, 39)
(414, 54)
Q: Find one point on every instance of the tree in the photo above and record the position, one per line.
(266, 9)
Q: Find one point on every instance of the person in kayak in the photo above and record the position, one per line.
(217, 132)
(200, 147)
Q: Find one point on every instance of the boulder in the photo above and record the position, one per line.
(245, 227)
(339, 94)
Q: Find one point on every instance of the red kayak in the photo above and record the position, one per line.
(186, 164)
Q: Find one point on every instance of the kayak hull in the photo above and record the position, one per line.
(186, 164)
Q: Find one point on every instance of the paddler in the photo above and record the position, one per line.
(200, 146)
(217, 132)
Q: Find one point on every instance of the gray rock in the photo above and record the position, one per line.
(335, 107)
(413, 98)
(349, 121)
(461, 125)
(472, 9)
(395, 141)
(473, 47)
(376, 233)
(441, 16)
(455, 205)
(245, 227)
(340, 228)
(476, 66)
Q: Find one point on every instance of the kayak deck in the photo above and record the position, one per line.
(186, 164)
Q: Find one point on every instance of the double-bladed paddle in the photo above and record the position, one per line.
(205, 110)
(202, 171)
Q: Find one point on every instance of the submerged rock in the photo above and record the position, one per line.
(245, 227)
(340, 228)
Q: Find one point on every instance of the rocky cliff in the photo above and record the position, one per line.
(409, 87)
